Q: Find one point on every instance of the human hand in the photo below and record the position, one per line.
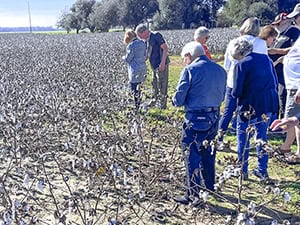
(285, 124)
(162, 67)
(272, 51)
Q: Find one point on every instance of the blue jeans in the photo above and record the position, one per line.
(243, 142)
(199, 159)
(229, 109)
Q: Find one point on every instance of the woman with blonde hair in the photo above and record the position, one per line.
(269, 34)
(136, 59)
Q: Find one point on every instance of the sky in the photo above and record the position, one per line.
(15, 13)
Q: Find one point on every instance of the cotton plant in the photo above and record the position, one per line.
(26, 181)
(142, 194)
(251, 208)
(229, 172)
(276, 191)
(287, 197)
(40, 185)
(112, 221)
(204, 195)
(242, 219)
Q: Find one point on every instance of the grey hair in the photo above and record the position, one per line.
(141, 28)
(240, 47)
(200, 32)
(193, 48)
(251, 26)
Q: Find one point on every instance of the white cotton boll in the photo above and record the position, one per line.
(130, 169)
(70, 206)
(276, 191)
(67, 145)
(174, 124)
(205, 195)
(73, 164)
(13, 119)
(251, 221)
(286, 197)
(268, 189)
(22, 222)
(40, 185)
(274, 222)
(7, 218)
(84, 163)
(124, 178)
(26, 181)
(286, 222)
(236, 172)
(241, 217)
(17, 204)
(2, 120)
(112, 222)
(142, 194)
(216, 187)
(114, 172)
(131, 199)
(118, 171)
(227, 174)
(251, 208)
(134, 128)
(171, 176)
(205, 143)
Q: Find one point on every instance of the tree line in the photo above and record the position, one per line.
(102, 15)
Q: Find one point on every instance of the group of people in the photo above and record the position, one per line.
(143, 44)
(260, 81)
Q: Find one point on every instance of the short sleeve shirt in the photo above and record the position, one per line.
(154, 43)
(292, 67)
(284, 40)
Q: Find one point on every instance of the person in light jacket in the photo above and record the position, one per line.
(136, 59)
(201, 90)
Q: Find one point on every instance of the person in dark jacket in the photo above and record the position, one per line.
(255, 87)
(201, 90)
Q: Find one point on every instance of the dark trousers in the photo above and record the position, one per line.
(160, 86)
(282, 100)
(199, 158)
(136, 92)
